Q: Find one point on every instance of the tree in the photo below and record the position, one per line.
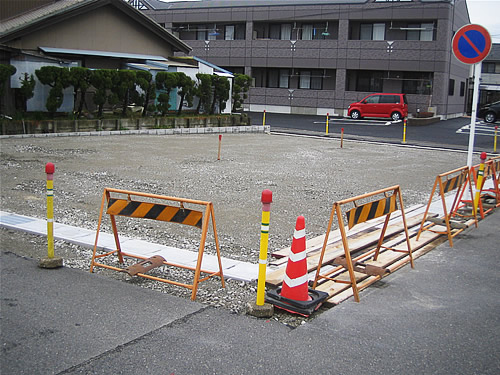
(123, 87)
(80, 78)
(102, 80)
(241, 85)
(165, 81)
(6, 70)
(204, 92)
(145, 81)
(186, 90)
(58, 79)
(221, 88)
(27, 89)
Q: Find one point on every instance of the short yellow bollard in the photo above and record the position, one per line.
(479, 183)
(327, 118)
(259, 308)
(264, 118)
(495, 140)
(267, 198)
(404, 130)
(51, 261)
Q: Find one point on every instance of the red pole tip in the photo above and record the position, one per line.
(267, 196)
(483, 155)
(301, 223)
(49, 168)
(220, 137)
(342, 130)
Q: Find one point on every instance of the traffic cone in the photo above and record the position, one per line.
(295, 296)
(295, 285)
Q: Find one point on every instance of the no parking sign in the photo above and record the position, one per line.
(471, 44)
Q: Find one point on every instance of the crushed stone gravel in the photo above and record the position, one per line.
(305, 174)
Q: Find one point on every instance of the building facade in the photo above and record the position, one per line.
(318, 56)
(490, 77)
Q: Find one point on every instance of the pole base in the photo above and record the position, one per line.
(264, 311)
(54, 262)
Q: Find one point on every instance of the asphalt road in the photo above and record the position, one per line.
(449, 134)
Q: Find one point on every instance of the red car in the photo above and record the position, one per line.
(386, 105)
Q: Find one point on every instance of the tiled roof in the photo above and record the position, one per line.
(35, 15)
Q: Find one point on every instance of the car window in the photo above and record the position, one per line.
(405, 100)
(389, 99)
(372, 99)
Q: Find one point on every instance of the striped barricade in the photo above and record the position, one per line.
(452, 184)
(132, 204)
(489, 198)
(359, 214)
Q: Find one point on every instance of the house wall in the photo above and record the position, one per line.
(104, 29)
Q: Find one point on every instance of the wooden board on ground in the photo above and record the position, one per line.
(387, 259)
(275, 277)
(316, 243)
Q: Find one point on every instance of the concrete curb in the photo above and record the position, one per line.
(171, 131)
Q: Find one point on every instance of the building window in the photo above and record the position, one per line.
(451, 87)
(372, 31)
(490, 67)
(462, 88)
(365, 80)
(286, 31)
(420, 31)
(206, 32)
(281, 31)
(311, 79)
(278, 78)
(307, 32)
(229, 32)
(417, 83)
(314, 31)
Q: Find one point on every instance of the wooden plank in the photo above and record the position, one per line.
(275, 277)
(393, 261)
(317, 242)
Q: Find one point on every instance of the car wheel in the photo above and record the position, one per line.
(396, 116)
(490, 117)
(355, 115)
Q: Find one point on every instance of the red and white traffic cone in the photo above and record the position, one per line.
(295, 285)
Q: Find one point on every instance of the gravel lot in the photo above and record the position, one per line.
(306, 176)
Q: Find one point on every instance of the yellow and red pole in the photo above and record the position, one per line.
(341, 137)
(49, 170)
(51, 261)
(327, 118)
(479, 183)
(267, 198)
(404, 130)
(495, 140)
(264, 118)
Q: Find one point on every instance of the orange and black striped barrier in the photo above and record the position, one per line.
(457, 179)
(357, 215)
(116, 202)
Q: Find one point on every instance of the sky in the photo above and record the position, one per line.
(482, 12)
(486, 13)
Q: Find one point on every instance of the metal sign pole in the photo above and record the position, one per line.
(475, 96)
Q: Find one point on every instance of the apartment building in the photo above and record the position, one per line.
(318, 56)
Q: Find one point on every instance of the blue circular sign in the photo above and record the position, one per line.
(471, 44)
